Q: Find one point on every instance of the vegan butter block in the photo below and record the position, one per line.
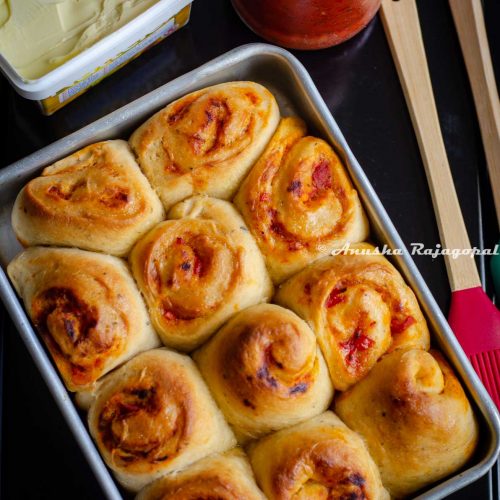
(36, 36)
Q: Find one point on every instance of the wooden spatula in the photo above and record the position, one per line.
(469, 21)
(473, 317)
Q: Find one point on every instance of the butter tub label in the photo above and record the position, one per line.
(64, 96)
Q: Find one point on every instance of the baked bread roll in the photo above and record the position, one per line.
(320, 458)
(95, 199)
(298, 201)
(415, 418)
(205, 142)
(87, 309)
(359, 307)
(265, 371)
(198, 270)
(154, 415)
(225, 476)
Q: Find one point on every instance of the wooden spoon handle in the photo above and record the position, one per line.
(402, 27)
(469, 21)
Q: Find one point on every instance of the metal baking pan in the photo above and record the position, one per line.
(296, 93)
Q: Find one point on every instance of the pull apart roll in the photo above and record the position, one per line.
(95, 199)
(87, 309)
(317, 459)
(298, 201)
(359, 307)
(226, 476)
(266, 371)
(415, 418)
(206, 141)
(153, 416)
(197, 270)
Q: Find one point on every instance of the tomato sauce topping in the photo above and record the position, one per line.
(336, 297)
(400, 325)
(356, 344)
(322, 176)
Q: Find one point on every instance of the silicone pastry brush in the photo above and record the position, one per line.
(473, 317)
(469, 22)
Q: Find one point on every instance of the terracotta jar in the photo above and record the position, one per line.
(306, 24)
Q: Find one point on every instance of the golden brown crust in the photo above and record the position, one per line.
(265, 371)
(198, 270)
(86, 308)
(359, 307)
(225, 476)
(95, 199)
(298, 201)
(205, 142)
(415, 418)
(154, 415)
(318, 459)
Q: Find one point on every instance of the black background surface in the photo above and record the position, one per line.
(40, 459)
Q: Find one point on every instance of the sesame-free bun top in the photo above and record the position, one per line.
(206, 141)
(95, 199)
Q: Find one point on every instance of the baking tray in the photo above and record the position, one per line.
(296, 94)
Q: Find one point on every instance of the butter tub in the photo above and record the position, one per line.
(61, 85)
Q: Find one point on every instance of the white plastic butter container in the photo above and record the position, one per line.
(66, 82)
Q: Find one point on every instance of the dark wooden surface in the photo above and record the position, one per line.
(358, 81)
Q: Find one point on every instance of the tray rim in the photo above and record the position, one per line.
(156, 98)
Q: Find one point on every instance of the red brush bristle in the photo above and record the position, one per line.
(487, 366)
(476, 323)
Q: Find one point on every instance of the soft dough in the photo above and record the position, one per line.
(197, 270)
(225, 476)
(95, 199)
(320, 458)
(87, 309)
(359, 307)
(265, 371)
(154, 415)
(298, 201)
(415, 418)
(205, 142)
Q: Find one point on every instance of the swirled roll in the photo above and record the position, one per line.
(154, 415)
(225, 476)
(198, 270)
(317, 459)
(265, 371)
(298, 201)
(205, 142)
(96, 199)
(415, 418)
(359, 307)
(87, 309)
